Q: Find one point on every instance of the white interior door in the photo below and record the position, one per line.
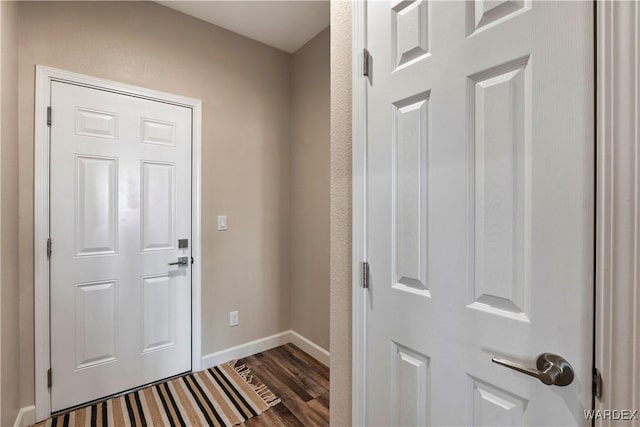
(120, 201)
(480, 210)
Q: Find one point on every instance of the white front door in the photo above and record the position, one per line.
(120, 202)
(480, 210)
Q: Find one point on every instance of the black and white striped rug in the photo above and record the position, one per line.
(225, 395)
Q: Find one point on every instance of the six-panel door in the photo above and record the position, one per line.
(120, 200)
(480, 209)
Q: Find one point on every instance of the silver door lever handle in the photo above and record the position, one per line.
(183, 260)
(551, 369)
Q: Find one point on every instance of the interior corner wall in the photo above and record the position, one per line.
(244, 86)
(310, 139)
(9, 292)
(341, 194)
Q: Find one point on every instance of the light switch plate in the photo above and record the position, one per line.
(222, 222)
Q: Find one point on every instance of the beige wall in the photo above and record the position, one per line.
(9, 359)
(310, 190)
(340, 213)
(244, 86)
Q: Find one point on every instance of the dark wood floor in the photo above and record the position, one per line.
(299, 380)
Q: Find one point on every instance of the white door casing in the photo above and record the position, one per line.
(120, 200)
(618, 194)
(156, 126)
(479, 213)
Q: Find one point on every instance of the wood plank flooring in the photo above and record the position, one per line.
(299, 380)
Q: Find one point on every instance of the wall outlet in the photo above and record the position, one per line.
(233, 318)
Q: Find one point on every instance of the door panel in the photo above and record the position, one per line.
(158, 206)
(411, 210)
(159, 299)
(96, 213)
(480, 210)
(120, 200)
(96, 323)
(500, 105)
(410, 380)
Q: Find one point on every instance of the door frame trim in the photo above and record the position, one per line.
(615, 180)
(617, 204)
(358, 212)
(44, 77)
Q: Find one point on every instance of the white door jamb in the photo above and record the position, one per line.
(44, 77)
(358, 226)
(618, 201)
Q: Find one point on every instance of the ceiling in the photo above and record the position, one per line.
(286, 25)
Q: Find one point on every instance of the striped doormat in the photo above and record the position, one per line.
(225, 395)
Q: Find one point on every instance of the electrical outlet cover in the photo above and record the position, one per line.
(233, 318)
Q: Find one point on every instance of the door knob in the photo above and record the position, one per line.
(551, 369)
(183, 260)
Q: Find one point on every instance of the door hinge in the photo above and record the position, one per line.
(48, 116)
(192, 260)
(49, 378)
(49, 248)
(365, 275)
(597, 383)
(366, 62)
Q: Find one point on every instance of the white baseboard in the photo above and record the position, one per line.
(244, 350)
(309, 347)
(26, 417)
(264, 344)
